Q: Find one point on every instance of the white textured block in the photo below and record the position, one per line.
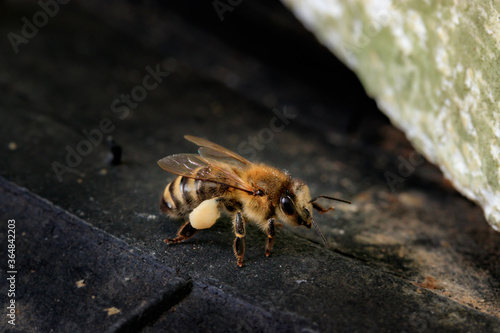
(433, 68)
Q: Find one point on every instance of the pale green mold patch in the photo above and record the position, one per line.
(432, 67)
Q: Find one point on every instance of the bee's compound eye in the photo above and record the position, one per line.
(287, 205)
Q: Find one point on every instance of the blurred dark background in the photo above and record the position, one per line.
(406, 254)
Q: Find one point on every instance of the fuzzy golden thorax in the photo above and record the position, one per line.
(283, 197)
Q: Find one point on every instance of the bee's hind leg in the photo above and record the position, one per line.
(185, 232)
(239, 241)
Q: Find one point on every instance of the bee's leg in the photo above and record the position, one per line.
(321, 209)
(271, 232)
(185, 232)
(239, 241)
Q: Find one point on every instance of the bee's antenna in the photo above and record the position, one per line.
(320, 233)
(328, 197)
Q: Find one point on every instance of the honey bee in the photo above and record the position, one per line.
(218, 179)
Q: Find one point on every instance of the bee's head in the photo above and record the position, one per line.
(295, 206)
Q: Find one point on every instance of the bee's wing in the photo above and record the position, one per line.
(219, 153)
(204, 168)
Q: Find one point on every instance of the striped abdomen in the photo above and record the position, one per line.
(184, 194)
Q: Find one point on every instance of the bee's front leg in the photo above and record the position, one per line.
(321, 209)
(185, 232)
(271, 232)
(239, 242)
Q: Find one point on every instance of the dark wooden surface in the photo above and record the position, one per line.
(412, 256)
